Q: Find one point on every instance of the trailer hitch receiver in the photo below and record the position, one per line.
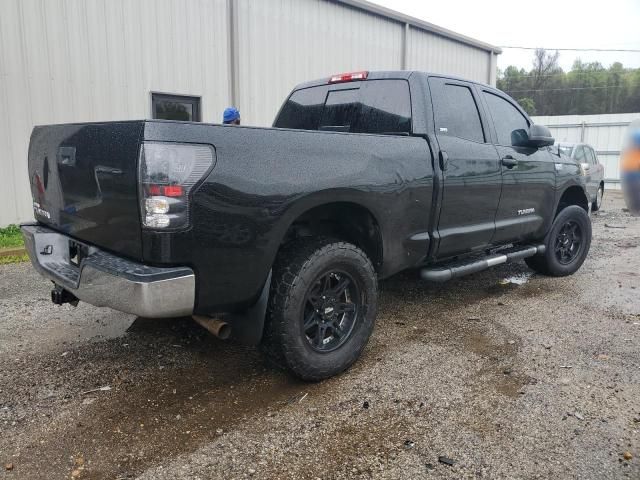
(60, 296)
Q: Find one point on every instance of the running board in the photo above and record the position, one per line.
(442, 273)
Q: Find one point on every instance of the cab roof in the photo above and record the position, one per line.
(387, 75)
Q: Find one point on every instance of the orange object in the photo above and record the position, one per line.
(631, 160)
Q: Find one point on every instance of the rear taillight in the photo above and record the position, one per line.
(349, 77)
(168, 173)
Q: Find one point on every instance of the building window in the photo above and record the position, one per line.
(175, 107)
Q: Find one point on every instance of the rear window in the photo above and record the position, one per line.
(340, 110)
(374, 106)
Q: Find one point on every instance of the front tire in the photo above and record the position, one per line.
(567, 244)
(597, 203)
(322, 307)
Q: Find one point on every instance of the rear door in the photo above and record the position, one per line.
(471, 170)
(528, 174)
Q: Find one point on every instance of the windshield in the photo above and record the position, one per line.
(566, 149)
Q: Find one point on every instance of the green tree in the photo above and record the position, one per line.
(528, 105)
(588, 88)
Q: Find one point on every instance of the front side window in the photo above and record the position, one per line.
(456, 113)
(511, 126)
(175, 107)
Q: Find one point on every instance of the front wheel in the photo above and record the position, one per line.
(567, 244)
(322, 307)
(597, 203)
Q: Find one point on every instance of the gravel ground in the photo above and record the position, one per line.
(529, 378)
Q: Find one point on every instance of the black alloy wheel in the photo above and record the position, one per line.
(322, 307)
(568, 242)
(332, 307)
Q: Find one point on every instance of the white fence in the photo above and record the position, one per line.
(605, 133)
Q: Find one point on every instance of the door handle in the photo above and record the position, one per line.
(509, 161)
(444, 160)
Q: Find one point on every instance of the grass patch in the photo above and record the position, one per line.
(13, 259)
(11, 237)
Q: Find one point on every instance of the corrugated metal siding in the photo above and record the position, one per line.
(93, 60)
(80, 60)
(604, 132)
(323, 37)
(432, 53)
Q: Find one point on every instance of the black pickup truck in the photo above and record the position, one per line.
(278, 236)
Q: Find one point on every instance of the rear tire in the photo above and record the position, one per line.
(322, 307)
(567, 244)
(597, 203)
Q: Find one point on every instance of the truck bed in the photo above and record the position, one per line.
(263, 179)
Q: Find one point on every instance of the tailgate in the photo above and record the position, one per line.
(84, 182)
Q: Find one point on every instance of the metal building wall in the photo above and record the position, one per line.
(99, 60)
(286, 42)
(432, 53)
(605, 133)
(91, 60)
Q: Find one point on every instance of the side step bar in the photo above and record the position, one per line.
(442, 273)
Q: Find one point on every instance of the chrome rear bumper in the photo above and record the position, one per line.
(106, 280)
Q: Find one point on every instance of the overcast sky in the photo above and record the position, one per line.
(539, 23)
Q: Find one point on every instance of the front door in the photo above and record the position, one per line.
(528, 175)
(471, 173)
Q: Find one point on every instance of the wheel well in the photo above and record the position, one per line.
(342, 220)
(573, 196)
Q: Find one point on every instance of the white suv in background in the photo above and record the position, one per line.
(591, 168)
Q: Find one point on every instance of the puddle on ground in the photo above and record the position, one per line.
(519, 279)
(161, 403)
(433, 315)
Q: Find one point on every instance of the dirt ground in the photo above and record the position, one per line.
(502, 374)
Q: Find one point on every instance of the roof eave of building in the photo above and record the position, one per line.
(419, 24)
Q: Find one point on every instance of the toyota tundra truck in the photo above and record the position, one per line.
(279, 236)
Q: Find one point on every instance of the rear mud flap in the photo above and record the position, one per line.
(247, 327)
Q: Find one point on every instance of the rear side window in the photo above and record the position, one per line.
(374, 106)
(511, 126)
(456, 113)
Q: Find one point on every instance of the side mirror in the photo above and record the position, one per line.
(540, 136)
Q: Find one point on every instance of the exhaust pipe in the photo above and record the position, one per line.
(220, 329)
